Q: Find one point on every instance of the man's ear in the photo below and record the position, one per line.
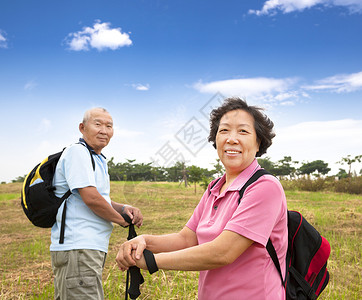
(81, 128)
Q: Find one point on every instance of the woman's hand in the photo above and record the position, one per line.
(130, 253)
(141, 263)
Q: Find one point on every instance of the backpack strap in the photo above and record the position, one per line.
(216, 181)
(68, 193)
(91, 151)
(273, 254)
(251, 180)
(62, 226)
(269, 247)
(308, 290)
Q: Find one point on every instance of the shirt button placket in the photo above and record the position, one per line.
(214, 209)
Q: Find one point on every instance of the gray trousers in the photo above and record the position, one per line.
(78, 274)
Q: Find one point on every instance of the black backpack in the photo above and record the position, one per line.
(37, 195)
(307, 255)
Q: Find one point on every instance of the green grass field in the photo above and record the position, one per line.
(25, 260)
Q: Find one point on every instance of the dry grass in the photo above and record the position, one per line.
(25, 260)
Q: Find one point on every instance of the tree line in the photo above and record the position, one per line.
(180, 172)
(287, 168)
(284, 168)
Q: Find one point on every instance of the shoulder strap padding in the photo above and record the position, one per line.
(251, 180)
(269, 246)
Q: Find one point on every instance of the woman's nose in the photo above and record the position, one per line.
(232, 138)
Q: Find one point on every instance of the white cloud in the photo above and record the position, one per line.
(45, 126)
(328, 141)
(141, 87)
(287, 103)
(260, 88)
(342, 83)
(125, 133)
(44, 147)
(271, 7)
(100, 37)
(30, 85)
(284, 91)
(3, 40)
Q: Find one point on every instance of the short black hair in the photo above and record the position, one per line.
(262, 124)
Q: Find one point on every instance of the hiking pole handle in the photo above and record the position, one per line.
(131, 231)
(126, 218)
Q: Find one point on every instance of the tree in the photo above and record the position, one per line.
(175, 173)
(158, 174)
(349, 161)
(195, 174)
(184, 172)
(219, 169)
(317, 165)
(267, 164)
(204, 182)
(284, 167)
(142, 172)
(114, 170)
(342, 174)
(131, 170)
(19, 179)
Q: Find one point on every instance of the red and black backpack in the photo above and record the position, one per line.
(306, 275)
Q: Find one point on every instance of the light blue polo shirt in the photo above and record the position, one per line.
(83, 228)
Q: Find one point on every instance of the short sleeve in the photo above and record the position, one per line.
(195, 218)
(77, 167)
(259, 210)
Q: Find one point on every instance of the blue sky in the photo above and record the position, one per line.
(159, 66)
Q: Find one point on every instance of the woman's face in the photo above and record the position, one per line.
(236, 141)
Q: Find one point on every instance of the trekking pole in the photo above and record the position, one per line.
(133, 273)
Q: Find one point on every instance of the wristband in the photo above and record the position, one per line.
(150, 261)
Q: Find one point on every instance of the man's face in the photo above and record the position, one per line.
(97, 130)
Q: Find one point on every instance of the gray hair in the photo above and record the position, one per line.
(88, 113)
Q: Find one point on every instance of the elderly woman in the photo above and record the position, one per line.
(224, 240)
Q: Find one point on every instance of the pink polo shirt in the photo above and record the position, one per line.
(261, 214)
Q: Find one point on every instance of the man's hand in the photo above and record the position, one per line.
(134, 213)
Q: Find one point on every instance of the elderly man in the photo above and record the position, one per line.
(79, 258)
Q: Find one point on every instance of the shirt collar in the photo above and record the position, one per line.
(239, 181)
(243, 177)
(216, 188)
(81, 140)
